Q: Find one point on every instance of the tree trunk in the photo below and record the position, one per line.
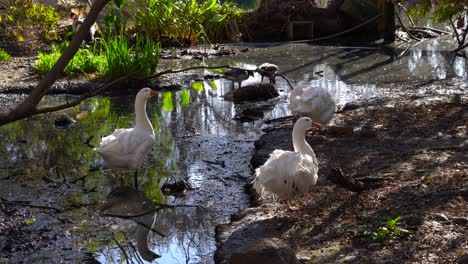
(387, 24)
(28, 106)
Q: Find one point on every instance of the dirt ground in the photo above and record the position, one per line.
(409, 153)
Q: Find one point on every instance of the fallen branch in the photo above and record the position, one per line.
(337, 176)
(32, 205)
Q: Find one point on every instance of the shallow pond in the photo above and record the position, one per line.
(197, 139)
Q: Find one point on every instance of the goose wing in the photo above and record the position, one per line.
(125, 141)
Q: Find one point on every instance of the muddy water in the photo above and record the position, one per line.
(197, 140)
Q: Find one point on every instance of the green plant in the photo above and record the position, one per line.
(26, 17)
(439, 11)
(84, 61)
(383, 231)
(4, 55)
(187, 20)
(140, 59)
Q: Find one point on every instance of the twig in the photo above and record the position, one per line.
(455, 30)
(136, 221)
(407, 14)
(221, 163)
(32, 205)
(286, 79)
(406, 29)
(402, 39)
(460, 48)
(137, 256)
(123, 250)
(439, 31)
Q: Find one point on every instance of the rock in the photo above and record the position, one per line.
(439, 217)
(256, 91)
(463, 259)
(463, 221)
(266, 250)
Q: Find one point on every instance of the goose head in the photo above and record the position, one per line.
(303, 124)
(146, 93)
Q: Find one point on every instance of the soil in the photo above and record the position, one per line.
(409, 153)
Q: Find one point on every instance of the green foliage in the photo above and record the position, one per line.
(384, 231)
(167, 101)
(122, 58)
(26, 17)
(184, 98)
(4, 56)
(84, 61)
(185, 20)
(213, 85)
(439, 11)
(197, 86)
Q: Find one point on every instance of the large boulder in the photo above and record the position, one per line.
(266, 250)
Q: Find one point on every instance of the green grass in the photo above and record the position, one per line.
(4, 56)
(122, 58)
(190, 20)
(381, 232)
(84, 62)
(117, 58)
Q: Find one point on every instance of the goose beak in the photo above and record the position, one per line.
(316, 125)
(153, 93)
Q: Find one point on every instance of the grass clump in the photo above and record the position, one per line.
(117, 58)
(85, 61)
(383, 231)
(191, 20)
(4, 56)
(140, 59)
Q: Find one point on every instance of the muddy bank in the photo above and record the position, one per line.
(410, 151)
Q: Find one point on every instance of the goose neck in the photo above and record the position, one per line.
(300, 144)
(142, 121)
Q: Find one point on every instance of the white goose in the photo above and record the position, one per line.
(288, 173)
(126, 148)
(314, 102)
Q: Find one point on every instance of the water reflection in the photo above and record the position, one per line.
(196, 138)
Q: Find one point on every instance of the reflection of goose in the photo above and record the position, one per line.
(125, 201)
(126, 148)
(287, 173)
(314, 102)
(269, 70)
(237, 75)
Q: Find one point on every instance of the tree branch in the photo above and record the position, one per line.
(30, 103)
